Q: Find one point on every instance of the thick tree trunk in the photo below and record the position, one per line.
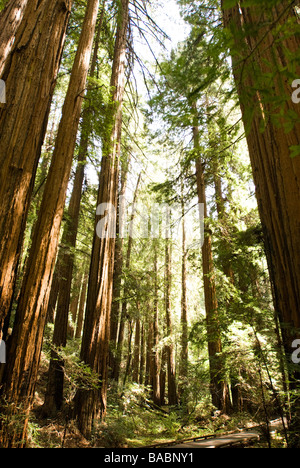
(30, 74)
(10, 19)
(261, 47)
(91, 404)
(24, 355)
(219, 388)
(65, 263)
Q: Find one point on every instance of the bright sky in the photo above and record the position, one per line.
(166, 14)
(169, 19)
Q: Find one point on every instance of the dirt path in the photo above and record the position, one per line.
(222, 441)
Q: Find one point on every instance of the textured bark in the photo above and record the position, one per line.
(30, 74)
(218, 387)
(65, 263)
(10, 19)
(91, 404)
(22, 367)
(260, 46)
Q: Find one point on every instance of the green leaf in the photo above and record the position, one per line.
(295, 151)
(229, 4)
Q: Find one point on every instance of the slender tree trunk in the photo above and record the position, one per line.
(116, 317)
(220, 204)
(142, 362)
(123, 318)
(148, 353)
(75, 296)
(129, 353)
(53, 296)
(80, 316)
(218, 387)
(30, 74)
(65, 263)
(183, 368)
(91, 404)
(261, 46)
(137, 352)
(172, 388)
(154, 356)
(163, 376)
(10, 19)
(24, 356)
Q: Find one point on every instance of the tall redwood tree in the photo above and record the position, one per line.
(30, 75)
(91, 403)
(25, 348)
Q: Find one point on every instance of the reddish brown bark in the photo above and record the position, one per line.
(261, 46)
(65, 263)
(30, 74)
(10, 19)
(24, 356)
(91, 404)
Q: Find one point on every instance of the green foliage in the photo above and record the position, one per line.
(3, 4)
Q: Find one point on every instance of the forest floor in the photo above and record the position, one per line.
(130, 425)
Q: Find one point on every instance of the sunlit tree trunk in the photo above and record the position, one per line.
(80, 316)
(10, 19)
